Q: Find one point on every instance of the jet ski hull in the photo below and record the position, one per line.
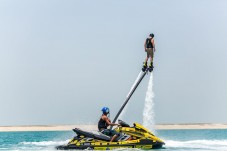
(130, 137)
(140, 144)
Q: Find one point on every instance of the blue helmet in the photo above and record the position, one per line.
(105, 110)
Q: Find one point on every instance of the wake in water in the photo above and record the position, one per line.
(197, 145)
(45, 143)
(148, 113)
(123, 112)
(36, 145)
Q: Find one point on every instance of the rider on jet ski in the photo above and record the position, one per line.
(104, 122)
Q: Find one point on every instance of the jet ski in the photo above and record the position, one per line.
(135, 136)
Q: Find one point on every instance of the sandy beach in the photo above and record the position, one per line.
(94, 127)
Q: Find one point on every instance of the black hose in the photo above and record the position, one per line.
(129, 96)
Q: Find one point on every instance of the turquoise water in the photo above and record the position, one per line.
(180, 140)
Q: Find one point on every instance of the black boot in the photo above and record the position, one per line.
(144, 66)
(151, 67)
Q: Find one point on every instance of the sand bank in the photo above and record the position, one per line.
(94, 127)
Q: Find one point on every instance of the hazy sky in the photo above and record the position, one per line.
(62, 61)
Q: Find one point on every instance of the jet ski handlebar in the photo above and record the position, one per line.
(122, 123)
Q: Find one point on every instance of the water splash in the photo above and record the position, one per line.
(37, 145)
(123, 111)
(197, 144)
(46, 143)
(148, 113)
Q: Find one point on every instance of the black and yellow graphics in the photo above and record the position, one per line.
(136, 136)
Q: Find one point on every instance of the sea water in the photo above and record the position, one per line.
(179, 140)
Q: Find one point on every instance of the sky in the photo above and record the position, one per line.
(62, 61)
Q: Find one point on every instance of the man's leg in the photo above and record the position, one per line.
(145, 63)
(113, 138)
(114, 134)
(151, 61)
(147, 58)
(151, 58)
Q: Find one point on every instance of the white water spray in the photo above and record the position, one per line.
(123, 111)
(148, 113)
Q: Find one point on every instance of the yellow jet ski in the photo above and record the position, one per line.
(136, 136)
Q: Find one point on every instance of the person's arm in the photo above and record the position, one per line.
(152, 41)
(108, 121)
(145, 43)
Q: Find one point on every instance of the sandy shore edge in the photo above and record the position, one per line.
(94, 127)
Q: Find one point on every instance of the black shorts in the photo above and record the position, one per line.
(150, 52)
(110, 132)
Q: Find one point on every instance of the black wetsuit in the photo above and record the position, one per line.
(149, 43)
(102, 124)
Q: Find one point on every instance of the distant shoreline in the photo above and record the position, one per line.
(94, 127)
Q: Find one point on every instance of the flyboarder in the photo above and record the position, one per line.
(149, 47)
(104, 122)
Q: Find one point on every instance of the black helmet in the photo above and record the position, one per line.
(152, 35)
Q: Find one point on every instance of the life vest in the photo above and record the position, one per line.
(102, 124)
(149, 43)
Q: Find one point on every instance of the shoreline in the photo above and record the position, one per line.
(94, 127)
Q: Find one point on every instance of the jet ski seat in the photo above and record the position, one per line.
(97, 135)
